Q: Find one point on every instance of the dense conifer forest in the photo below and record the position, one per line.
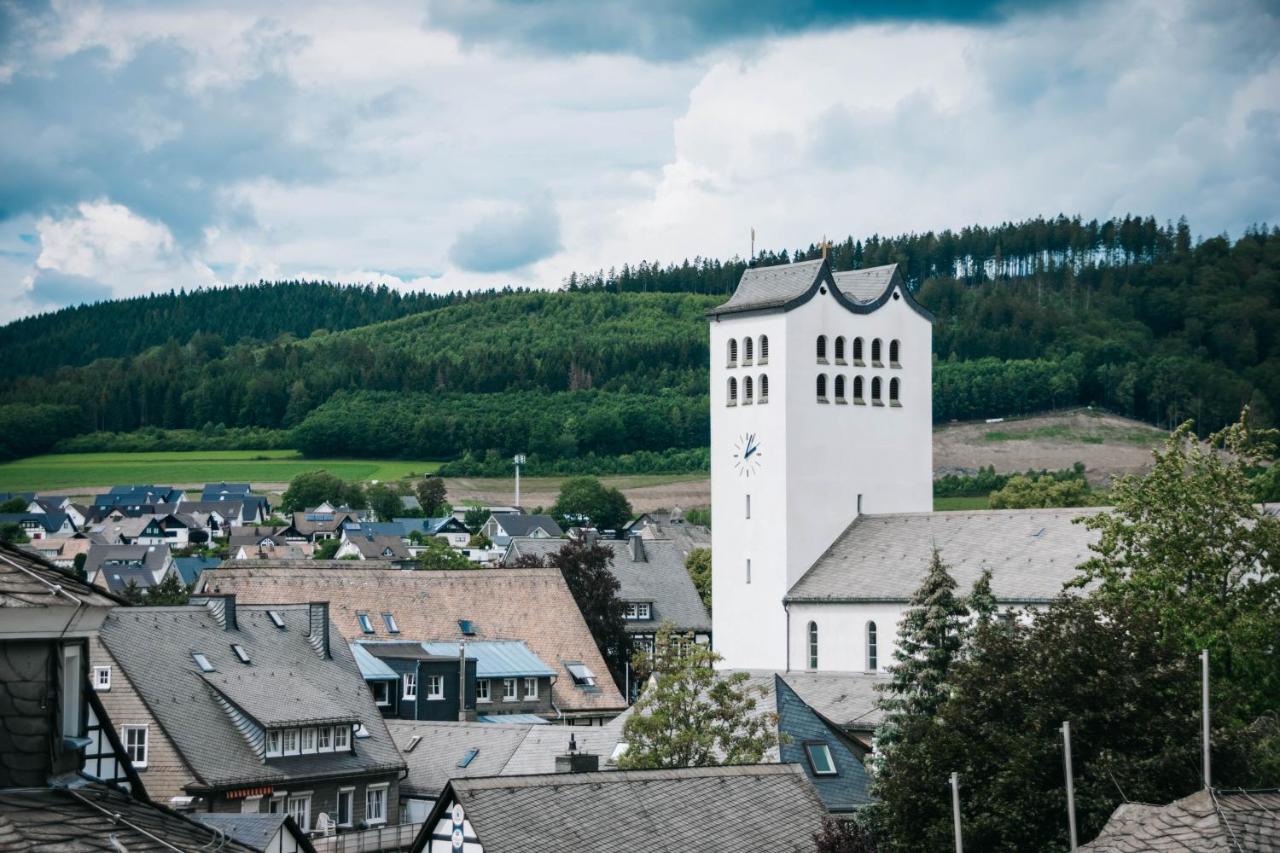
(1128, 314)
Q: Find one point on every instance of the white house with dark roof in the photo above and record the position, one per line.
(822, 476)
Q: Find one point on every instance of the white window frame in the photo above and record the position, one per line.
(435, 687)
(409, 681)
(275, 743)
(291, 745)
(279, 803)
(392, 626)
(350, 795)
(483, 690)
(324, 739)
(531, 688)
(131, 749)
(341, 739)
(100, 684)
(366, 623)
(510, 690)
(308, 741)
(303, 797)
(381, 799)
(72, 698)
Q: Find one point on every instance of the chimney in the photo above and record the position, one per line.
(577, 762)
(318, 635)
(221, 605)
(636, 546)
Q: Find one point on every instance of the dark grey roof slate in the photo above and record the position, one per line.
(1032, 553)
(518, 524)
(785, 286)
(50, 521)
(772, 287)
(28, 580)
(1220, 821)
(286, 682)
(255, 830)
(799, 726)
(95, 817)
(709, 809)
(434, 760)
(865, 285)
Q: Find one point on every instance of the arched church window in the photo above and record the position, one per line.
(857, 350)
(894, 351)
(813, 645)
(839, 389)
(822, 348)
(840, 348)
(746, 350)
(875, 390)
(857, 389)
(893, 390)
(747, 389)
(764, 349)
(875, 352)
(872, 648)
(733, 352)
(822, 387)
(733, 391)
(764, 387)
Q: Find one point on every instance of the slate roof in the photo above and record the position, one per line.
(254, 830)
(710, 809)
(429, 526)
(379, 547)
(533, 605)
(216, 491)
(518, 524)
(96, 817)
(371, 668)
(1032, 553)
(229, 508)
(27, 580)
(660, 577)
(121, 563)
(286, 682)
(50, 521)
(442, 746)
(798, 726)
(189, 568)
(1219, 821)
(784, 286)
(865, 285)
(847, 699)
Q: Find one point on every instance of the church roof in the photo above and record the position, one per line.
(1032, 553)
(786, 286)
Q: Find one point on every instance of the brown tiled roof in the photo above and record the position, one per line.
(533, 605)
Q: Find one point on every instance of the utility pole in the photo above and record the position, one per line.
(955, 809)
(518, 460)
(1071, 785)
(1204, 702)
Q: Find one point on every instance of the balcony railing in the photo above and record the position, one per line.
(382, 838)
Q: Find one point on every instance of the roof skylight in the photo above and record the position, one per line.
(240, 652)
(276, 618)
(469, 756)
(202, 662)
(582, 674)
(413, 741)
(467, 627)
(820, 759)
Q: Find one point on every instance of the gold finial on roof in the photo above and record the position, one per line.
(825, 245)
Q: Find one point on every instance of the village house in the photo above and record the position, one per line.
(448, 528)
(533, 606)
(253, 509)
(500, 528)
(133, 499)
(324, 522)
(358, 545)
(291, 551)
(673, 526)
(41, 525)
(114, 567)
(236, 708)
(60, 552)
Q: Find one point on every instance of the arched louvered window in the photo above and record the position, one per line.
(894, 351)
(839, 348)
(822, 347)
(875, 390)
(747, 389)
(733, 352)
(893, 390)
(875, 351)
(813, 645)
(857, 389)
(872, 648)
(840, 389)
(764, 387)
(822, 386)
(733, 391)
(764, 349)
(747, 345)
(857, 349)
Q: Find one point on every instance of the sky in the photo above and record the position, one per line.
(462, 144)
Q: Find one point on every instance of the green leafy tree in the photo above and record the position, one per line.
(384, 501)
(698, 564)
(132, 593)
(475, 518)
(585, 567)
(479, 540)
(312, 488)
(170, 591)
(326, 549)
(14, 505)
(690, 715)
(11, 532)
(438, 556)
(700, 515)
(587, 499)
(1022, 492)
(431, 494)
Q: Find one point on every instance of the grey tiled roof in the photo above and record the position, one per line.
(255, 830)
(1032, 553)
(519, 524)
(772, 287)
(286, 681)
(865, 285)
(1206, 822)
(708, 809)
(96, 817)
(150, 557)
(441, 746)
(847, 699)
(27, 580)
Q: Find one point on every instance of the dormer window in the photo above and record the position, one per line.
(341, 738)
(275, 741)
(582, 675)
(390, 622)
(637, 610)
(276, 618)
(240, 653)
(202, 662)
(366, 624)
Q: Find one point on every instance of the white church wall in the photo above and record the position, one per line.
(842, 635)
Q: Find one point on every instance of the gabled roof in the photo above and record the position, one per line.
(255, 830)
(90, 816)
(431, 526)
(786, 286)
(799, 728)
(50, 521)
(378, 547)
(1032, 553)
(286, 681)
(710, 809)
(518, 524)
(441, 747)
(532, 605)
(1217, 821)
(189, 568)
(27, 580)
(117, 557)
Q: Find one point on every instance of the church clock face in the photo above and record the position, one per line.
(746, 454)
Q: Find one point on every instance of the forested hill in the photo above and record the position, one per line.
(1138, 318)
(210, 317)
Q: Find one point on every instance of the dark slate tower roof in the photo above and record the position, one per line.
(786, 286)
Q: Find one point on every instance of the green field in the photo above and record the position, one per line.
(946, 504)
(90, 470)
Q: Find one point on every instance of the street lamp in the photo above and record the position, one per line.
(518, 460)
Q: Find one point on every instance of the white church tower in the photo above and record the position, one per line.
(821, 409)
